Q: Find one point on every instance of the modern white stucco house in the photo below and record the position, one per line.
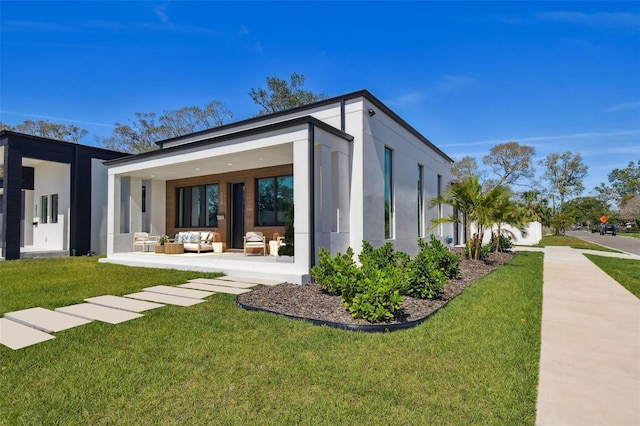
(352, 169)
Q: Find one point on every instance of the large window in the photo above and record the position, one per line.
(197, 206)
(420, 202)
(388, 193)
(54, 208)
(44, 210)
(274, 198)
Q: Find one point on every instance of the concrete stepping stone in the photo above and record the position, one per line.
(123, 303)
(262, 281)
(17, 336)
(45, 320)
(164, 298)
(99, 313)
(216, 288)
(182, 292)
(224, 283)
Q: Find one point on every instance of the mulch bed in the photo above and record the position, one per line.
(309, 301)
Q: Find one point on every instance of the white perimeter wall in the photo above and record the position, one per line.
(52, 178)
(531, 236)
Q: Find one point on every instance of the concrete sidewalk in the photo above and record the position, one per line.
(590, 354)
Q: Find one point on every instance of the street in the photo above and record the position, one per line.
(619, 242)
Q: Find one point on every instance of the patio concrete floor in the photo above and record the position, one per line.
(250, 268)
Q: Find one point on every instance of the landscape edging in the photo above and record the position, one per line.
(367, 328)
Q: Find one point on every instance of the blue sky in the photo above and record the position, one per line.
(554, 75)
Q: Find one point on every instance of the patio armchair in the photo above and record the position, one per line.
(143, 239)
(253, 240)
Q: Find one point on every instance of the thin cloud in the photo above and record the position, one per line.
(585, 135)
(46, 117)
(412, 98)
(451, 83)
(161, 12)
(624, 107)
(34, 27)
(602, 20)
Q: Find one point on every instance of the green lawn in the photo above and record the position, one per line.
(630, 234)
(576, 243)
(474, 362)
(625, 271)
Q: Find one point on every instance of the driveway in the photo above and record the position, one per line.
(619, 242)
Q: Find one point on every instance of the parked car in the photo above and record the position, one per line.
(608, 228)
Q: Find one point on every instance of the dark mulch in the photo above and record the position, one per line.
(311, 302)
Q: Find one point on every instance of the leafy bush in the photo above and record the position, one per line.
(506, 243)
(484, 249)
(379, 301)
(426, 280)
(447, 261)
(334, 274)
(374, 290)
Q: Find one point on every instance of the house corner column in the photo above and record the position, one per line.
(302, 202)
(113, 212)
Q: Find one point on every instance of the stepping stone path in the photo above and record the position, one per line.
(28, 327)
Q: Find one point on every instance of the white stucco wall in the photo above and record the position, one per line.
(52, 178)
(378, 132)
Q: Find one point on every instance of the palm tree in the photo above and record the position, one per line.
(505, 211)
(464, 196)
(485, 208)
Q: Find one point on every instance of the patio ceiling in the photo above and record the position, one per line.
(253, 159)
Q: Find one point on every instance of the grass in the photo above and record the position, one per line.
(630, 234)
(473, 362)
(625, 271)
(576, 243)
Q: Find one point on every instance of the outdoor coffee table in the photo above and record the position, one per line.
(174, 248)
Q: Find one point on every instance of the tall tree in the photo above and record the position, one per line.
(47, 129)
(149, 128)
(630, 209)
(465, 167)
(281, 96)
(510, 162)
(564, 173)
(586, 209)
(623, 183)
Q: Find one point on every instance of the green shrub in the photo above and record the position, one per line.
(484, 249)
(506, 243)
(379, 298)
(447, 261)
(374, 290)
(335, 273)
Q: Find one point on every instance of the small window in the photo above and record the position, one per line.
(388, 193)
(144, 198)
(274, 198)
(54, 208)
(44, 210)
(420, 202)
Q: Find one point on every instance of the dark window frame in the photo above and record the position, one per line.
(44, 208)
(276, 210)
(184, 210)
(53, 210)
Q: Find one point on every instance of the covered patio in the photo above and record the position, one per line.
(225, 184)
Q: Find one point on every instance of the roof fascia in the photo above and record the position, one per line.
(230, 136)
